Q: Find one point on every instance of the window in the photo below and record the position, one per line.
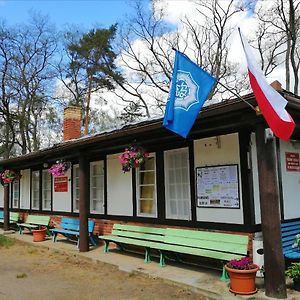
(76, 188)
(15, 193)
(146, 188)
(46, 190)
(97, 187)
(35, 189)
(177, 184)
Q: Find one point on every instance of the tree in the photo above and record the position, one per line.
(146, 54)
(26, 76)
(278, 38)
(91, 67)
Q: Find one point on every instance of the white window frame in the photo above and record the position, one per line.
(75, 187)
(168, 168)
(138, 171)
(33, 190)
(15, 193)
(44, 190)
(100, 179)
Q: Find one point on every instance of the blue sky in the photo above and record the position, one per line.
(62, 12)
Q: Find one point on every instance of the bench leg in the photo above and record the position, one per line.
(78, 241)
(162, 259)
(224, 276)
(92, 240)
(20, 230)
(106, 246)
(54, 238)
(120, 247)
(147, 255)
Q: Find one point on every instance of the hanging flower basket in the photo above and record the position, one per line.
(59, 168)
(8, 176)
(132, 157)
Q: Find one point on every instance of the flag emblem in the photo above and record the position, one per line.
(190, 87)
(186, 91)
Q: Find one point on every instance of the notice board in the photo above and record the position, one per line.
(218, 186)
(61, 184)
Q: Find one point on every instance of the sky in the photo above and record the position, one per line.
(61, 12)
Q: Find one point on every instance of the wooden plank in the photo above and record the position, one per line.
(138, 235)
(38, 220)
(210, 245)
(144, 229)
(207, 235)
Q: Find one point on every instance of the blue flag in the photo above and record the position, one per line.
(190, 88)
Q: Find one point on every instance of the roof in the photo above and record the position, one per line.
(116, 138)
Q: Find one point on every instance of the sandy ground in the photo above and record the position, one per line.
(27, 272)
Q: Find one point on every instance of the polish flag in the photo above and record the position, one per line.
(270, 102)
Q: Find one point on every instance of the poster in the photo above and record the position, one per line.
(61, 184)
(218, 186)
(292, 162)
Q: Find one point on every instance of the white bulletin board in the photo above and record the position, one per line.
(218, 186)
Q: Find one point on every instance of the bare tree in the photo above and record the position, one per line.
(278, 39)
(26, 83)
(146, 54)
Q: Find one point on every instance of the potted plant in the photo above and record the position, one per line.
(242, 273)
(293, 272)
(132, 157)
(39, 234)
(59, 168)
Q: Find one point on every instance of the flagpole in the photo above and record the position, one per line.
(237, 95)
(225, 87)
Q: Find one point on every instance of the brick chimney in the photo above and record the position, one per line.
(276, 85)
(72, 123)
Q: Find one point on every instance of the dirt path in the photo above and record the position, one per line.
(27, 272)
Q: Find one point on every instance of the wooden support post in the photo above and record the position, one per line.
(270, 216)
(83, 204)
(6, 207)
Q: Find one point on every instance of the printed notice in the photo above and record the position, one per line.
(218, 186)
(292, 162)
(60, 184)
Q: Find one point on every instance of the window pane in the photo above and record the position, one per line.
(146, 188)
(177, 184)
(97, 187)
(35, 193)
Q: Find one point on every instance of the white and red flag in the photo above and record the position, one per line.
(270, 102)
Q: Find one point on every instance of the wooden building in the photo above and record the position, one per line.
(208, 181)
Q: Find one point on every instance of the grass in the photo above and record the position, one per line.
(5, 241)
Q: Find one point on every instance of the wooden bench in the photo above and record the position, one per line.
(220, 246)
(34, 222)
(13, 217)
(70, 229)
(288, 232)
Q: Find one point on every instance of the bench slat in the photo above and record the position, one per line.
(138, 235)
(209, 236)
(143, 229)
(210, 245)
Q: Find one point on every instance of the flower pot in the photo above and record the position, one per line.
(39, 235)
(242, 281)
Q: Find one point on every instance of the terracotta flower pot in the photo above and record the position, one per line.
(242, 281)
(39, 235)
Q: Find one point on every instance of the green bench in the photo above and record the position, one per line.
(34, 222)
(215, 245)
(13, 217)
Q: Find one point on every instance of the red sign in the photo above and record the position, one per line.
(60, 184)
(292, 161)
